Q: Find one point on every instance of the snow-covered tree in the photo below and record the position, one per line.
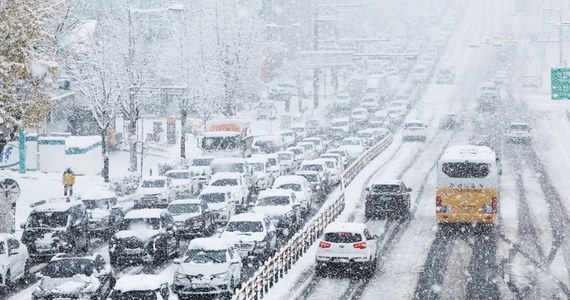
(27, 70)
(95, 73)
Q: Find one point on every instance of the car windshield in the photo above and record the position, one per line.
(220, 142)
(244, 226)
(158, 183)
(257, 167)
(297, 151)
(523, 127)
(343, 237)
(385, 188)
(66, 268)
(273, 201)
(285, 156)
(201, 162)
(314, 167)
(186, 208)
(178, 175)
(413, 125)
(225, 182)
(358, 112)
(213, 197)
(311, 177)
(2, 248)
(290, 186)
(56, 219)
(201, 256)
(91, 204)
(272, 161)
(232, 168)
(351, 142)
(364, 135)
(136, 295)
(330, 164)
(141, 223)
(340, 124)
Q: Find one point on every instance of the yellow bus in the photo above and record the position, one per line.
(467, 188)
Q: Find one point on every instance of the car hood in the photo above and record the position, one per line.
(184, 217)
(273, 211)
(192, 268)
(140, 234)
(69, 285)
(236, 237)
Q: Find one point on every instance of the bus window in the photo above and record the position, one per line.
(466, 170)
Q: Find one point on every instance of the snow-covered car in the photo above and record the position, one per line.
(359, 117)
(55, 226)
(313, 127)
(259, 166)
(310, 150)
(414, 130)
(420, 74)
(370, 103)
(210, 266)
(367, 137)
(449, 121)
(319, 143)
(445, 76)
(298, 185)
(104, 213)
(300, 129)
(354, 147)
(318, 165)
(379, 133)
(501, 77)
(75, 277)
(343, 153)
(387, 197)
(316, 183)
(141, 286)
(266, 110)
(300, 153)
(519, 133)
(220, 203)
(341, 101)
(200, 167)
(347, 245)
(192, 218)
(235, 183)
(340, 128)
(397, 110)
(334, 170)
(146, 235)
(253, 235)
(288, 161)
(274, 168)
(234, 165)
(182, 181)
(269, 143)
(290, 137)
(534, 81)
(154, 191)
(13, 260)
(337, 157)
(281, 207)
(483, 140)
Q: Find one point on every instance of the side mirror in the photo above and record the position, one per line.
(23, 225)
(207, 211)
(177, 261)
(367, 189)
(14, 252)
(408, 189)
(39, 275)
(375, 237)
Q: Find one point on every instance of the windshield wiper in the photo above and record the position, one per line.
(212, 258)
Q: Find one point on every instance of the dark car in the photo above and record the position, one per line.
(387, 198)
(56, 226)
(192, 218)
(145, 235)
(75, 277)
(104, 215)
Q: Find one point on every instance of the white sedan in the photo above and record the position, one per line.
(13, 259)
(354, 147)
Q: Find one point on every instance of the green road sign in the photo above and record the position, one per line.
(560, 83)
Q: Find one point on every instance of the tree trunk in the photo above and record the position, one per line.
(183, 116)
(104, 150)
(133, 147)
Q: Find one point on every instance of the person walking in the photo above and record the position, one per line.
(68, 181)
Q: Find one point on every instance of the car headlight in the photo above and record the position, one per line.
(223, 275)
(162, 194)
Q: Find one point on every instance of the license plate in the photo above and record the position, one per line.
(200, 285)
(340, 259)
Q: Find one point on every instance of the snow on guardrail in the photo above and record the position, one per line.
(277, 266)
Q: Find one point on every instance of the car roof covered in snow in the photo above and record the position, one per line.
(4, 236)
(378, 181)
(296, 148)
(257, 159)
(285, 152)
(139, 282)
(226, 175)
(274, 193)
(520, 124)
(186, 201)
(214, 190)
(154, 178)
(247, 217)
(148, 213)
(55, 204)
(340, 120)
(414, 122)
(285, 179)
(178, 171)
(228, 160)
(209, 243)
(345, 227)
(468, 153)
(97, 195)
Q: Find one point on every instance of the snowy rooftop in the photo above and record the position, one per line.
(212, 243)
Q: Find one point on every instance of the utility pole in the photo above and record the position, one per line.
(316, 71)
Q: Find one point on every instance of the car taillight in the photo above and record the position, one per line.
(360, 245)
(324, 245)
(494, 204)
(438, 201)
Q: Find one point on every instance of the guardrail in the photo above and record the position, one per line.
(277, 266)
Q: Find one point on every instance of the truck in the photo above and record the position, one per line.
(229, 137)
